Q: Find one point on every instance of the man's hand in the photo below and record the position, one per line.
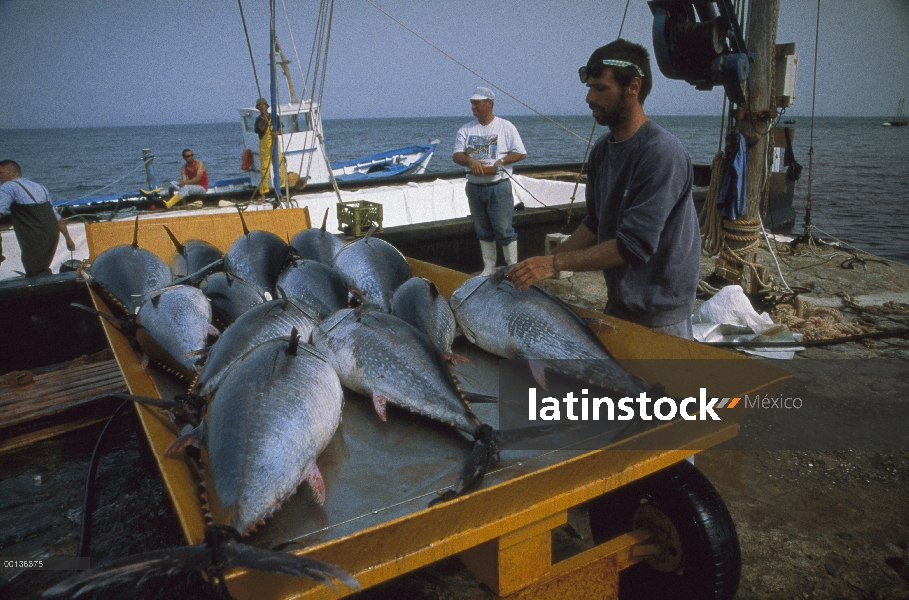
(532, 270)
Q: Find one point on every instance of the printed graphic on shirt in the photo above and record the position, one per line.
(483, 147)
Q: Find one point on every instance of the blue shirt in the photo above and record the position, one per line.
(12, 193)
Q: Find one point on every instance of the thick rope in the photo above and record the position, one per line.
(711, 219)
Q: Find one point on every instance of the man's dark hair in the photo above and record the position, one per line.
(11, 163)
(185, 150)
(628, 52)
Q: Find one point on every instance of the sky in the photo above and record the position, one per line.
(83, 63)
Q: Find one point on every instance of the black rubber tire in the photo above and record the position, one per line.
(711, 559)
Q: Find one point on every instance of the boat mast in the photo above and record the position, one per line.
(755, 120)
(275, 118)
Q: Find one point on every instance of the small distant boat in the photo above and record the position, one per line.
(899, 121)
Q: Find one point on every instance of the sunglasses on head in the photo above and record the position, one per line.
(594, 71)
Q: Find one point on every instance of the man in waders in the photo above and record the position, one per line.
(36, 224)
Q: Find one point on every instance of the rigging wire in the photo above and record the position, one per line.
(625, 14)
(249, 45)
(461, 64)
(810, 198)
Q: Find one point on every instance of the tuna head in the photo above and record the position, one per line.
(317, 284)
(257, 257)
(128, 274)
(232, 296)
(191, 256)
(273, 414)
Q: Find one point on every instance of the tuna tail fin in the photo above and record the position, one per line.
(485, 451)
(221, 542)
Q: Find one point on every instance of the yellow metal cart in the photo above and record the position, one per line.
(380, 477)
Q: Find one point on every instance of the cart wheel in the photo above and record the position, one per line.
(700, 558)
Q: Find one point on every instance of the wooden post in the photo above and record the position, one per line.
(754, 121)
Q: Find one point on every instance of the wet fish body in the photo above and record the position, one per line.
(317, 244)
(129, 274)
(272, 416)
(175, 324)
(375, 267)
(257, 257)
(316, 284)
(191, 256)
(418, 302)
(379, 355)
(232, 296)
(266, 321)
(538, 327)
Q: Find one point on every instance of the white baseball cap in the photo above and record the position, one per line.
(483, 93)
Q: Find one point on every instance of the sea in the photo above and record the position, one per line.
(859, 169)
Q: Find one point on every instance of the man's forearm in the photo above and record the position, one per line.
(604, 255)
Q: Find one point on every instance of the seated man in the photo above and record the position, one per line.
(193, 179)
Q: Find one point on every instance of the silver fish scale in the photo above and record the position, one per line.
(320, 285)
(375, 267)
(259, 324)
(269, 420)
(318, 245)
(257, 257)
(179, 321)
(381, 354)
(415, 303)
(533, 325)
(231, 296)
(129, 274)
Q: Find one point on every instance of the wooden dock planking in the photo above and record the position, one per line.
(57, 401)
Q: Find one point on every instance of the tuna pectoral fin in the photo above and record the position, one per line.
(184, 441)
(313, 477)
(538, 370)
(380, 402)
(288, 564)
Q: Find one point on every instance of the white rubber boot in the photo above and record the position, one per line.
(489, 257)
(511, 253)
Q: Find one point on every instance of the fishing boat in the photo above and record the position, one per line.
(899, 121)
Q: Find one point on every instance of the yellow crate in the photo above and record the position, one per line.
(356, 216)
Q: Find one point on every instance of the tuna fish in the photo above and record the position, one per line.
(418, 302)
(538, 327)
(231, 296)
(174, 326)
(317, 244)
(257, 257)
(274, 414)
(191, 256)
(259, 324)
(319, 285)
(128, 273)
(375, 267)
(380, 356)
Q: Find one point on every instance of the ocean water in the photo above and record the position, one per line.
(860, 169)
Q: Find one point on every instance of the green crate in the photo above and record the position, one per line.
(355, 217)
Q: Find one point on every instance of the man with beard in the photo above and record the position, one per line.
(641, 226)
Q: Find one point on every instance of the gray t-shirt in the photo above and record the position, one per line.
(639, 192)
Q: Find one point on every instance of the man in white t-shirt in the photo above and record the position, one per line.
(486, 146)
